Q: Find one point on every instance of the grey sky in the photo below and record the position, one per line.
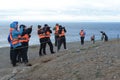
(60, 10)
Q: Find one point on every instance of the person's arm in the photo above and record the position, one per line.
(65, 30)
(50, 31)
(29, 30)
(18, 32)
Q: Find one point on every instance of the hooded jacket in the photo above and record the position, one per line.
(15, 33)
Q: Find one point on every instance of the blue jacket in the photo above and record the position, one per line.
(15, 33)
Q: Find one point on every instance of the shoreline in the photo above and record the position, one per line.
(66, 42)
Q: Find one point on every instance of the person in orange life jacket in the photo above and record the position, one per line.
(47, 34)
(56, 29)
(42, 40)
(24, 39)
(9, 40)
(15, 41)
(62, 38)
(82, 36)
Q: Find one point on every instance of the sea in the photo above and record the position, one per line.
(112, 29)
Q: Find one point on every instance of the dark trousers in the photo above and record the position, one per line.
(82, 40)
(50, 44)
(21, 54)
(24, 52)
(61, 40)
(56, 40)
(106, 38)
(14, 55)
(11, 52)
(42, 46)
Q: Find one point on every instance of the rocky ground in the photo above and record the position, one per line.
(99, 61)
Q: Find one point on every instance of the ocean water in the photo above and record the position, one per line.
(112, 29)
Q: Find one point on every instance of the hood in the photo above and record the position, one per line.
(14, 24)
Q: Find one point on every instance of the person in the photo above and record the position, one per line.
(56, 29)
(93, 38)
(104, 36)
(82, 36)
(14, 37)
(42, 40)
(9, 40)
(48, 40)
(24, 39)
(61, 38)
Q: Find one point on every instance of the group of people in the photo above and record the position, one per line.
(82, 34)
(60, 37)
(19, 37)
(44, 38)
(44, 34)
(19, 41)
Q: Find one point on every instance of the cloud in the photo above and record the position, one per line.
(61, 10)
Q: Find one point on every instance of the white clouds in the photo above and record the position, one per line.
(71, 10)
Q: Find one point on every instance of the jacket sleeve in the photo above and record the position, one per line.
(29, 30)
(18, 32)
(50, 31)
(65, 30)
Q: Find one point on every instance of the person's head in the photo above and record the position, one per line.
(14, 25)
(39, 26)
(60, 26)
(16, 22)
(57, 24)
(48, 28)
(82, 30)
(101, 32)
(22, 25)
(46, 25)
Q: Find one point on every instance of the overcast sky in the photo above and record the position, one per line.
(60, 10)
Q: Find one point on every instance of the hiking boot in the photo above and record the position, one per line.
(52, 52)
(40, 54)
(14, 65)
(28, 64)
(44, 53)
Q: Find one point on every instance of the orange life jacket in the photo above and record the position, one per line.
(62, 33)
(82, 34)
(56, 29)
(41, 36)
(48, 34)
(14, 40)
(24, 38)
